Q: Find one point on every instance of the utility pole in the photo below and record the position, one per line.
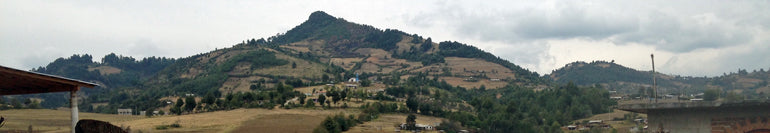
(654, 89)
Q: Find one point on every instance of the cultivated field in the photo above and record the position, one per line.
(455, 81)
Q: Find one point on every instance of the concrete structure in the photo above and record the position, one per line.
(705, 117)
(125, 112)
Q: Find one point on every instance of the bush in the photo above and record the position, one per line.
(164, 127)
(161, 127)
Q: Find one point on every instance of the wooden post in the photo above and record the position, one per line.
(74, 107)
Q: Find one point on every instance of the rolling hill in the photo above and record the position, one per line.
(630, 81)
(398, 72)
(323, 49)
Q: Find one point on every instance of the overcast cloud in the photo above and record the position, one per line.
(697, 38)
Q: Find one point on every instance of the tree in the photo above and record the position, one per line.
(335, 96)
(179, 102)
(324, 78)
(710, 94)
(366, 83)
(208, 99)
(732, 97)
(176, 110)
(411, 120)
(190, 104)
(412, 104)
(322, 99)
(253, 87)
(425, 109)
(293, 65)
(331, 125)
(302, 98)
(148, 112)
(309, 103)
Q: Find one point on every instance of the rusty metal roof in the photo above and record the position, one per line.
(16, 82)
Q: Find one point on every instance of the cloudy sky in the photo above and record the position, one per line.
(691, 38)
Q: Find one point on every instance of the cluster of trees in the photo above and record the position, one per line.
(524, 110)
(14, 103)
(337, 124)
(369, 111)
(146, 66)
(518, 110)
(418, 55)
(595, 73)
(322, 25)
(188, 105)
(385, 40)
(258, 59)
(132, 73)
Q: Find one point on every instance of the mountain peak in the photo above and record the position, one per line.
(320, 16)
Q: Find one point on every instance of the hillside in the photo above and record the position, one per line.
(325, 46)
(629, 81)
(322, 57)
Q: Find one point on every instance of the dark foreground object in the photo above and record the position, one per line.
(96, 126)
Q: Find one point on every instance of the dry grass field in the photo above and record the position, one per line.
(388, 123)
(471, 66)
(620, 126)
(346, 63)
(455, 81)
(304, 68)
(47, 120)
(105, 70)
(239, 120)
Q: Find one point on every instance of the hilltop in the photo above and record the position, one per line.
(630, 81)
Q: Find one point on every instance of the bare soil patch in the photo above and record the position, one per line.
(455, 81)
(105, 70)
(472, 67)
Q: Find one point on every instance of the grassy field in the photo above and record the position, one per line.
(47, 120)
(620, 126)
(388, 123)
(239, 120)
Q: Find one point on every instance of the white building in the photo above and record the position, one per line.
(125, 112)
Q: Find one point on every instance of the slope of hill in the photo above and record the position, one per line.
(631, 81)
(410, 73)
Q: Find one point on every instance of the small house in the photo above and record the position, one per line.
(125, 112)
(423, 127)
(571, 127)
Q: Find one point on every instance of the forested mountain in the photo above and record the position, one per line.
(113, 72)
(630, 81)
(447, 79)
